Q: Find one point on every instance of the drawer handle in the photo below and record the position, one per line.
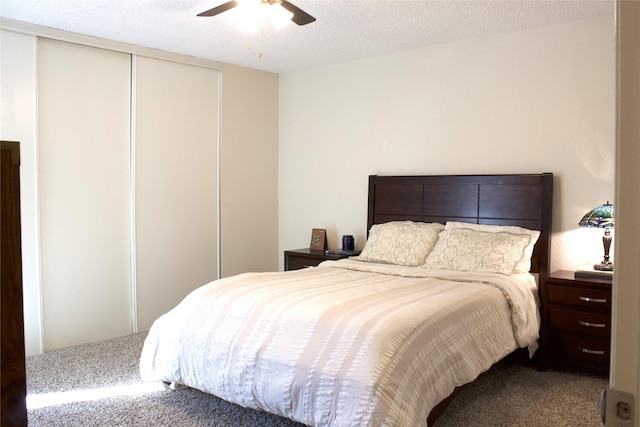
(597, 352)
(591, 325)
(598, 300)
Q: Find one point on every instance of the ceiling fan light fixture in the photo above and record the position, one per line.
(279, 16)
(249, 15)
(253, 12)
(249, 4)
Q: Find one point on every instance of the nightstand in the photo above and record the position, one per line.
(302, 258)
(576, 322)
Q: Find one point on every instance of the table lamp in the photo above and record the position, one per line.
(601, 217)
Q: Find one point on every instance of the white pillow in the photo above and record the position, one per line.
(524, 264)
(400, 242)
(464, 249)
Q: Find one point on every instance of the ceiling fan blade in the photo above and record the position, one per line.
(219, 9)
(300, 17)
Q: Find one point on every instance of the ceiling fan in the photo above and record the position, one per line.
(300, 17)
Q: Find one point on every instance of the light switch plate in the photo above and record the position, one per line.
(617, 408)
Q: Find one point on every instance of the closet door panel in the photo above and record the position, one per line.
(176, 140)
(84, 161)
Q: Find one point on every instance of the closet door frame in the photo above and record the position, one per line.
(237, 82)
(141, 301)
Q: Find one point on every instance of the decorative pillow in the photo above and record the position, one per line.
(400, 242)
(524, 264)
(463, 249)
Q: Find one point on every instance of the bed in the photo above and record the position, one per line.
(445, 287)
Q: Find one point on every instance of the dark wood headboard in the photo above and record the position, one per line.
(522, 200)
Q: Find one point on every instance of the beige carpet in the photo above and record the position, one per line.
(63, 388)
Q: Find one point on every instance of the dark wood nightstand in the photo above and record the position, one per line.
(576, 322)
(302, 258)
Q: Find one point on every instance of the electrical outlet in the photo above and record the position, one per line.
(617, 408)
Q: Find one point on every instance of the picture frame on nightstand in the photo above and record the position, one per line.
(318, 239)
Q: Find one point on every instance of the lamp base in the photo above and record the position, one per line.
(604, 266)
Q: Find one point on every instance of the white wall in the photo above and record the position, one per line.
(248, 170)
(18, 123)
(532, 101)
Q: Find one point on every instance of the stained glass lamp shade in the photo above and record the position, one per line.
(601, 217)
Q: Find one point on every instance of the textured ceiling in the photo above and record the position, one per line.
(344, 30)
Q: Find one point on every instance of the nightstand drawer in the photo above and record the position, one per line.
(296, 263)
(589, 349)
(580, 321)
(579, 296)
(575, 325)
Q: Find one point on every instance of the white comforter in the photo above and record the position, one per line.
(346, 344)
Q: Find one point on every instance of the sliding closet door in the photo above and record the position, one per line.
(176, 140)
(83, 149)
